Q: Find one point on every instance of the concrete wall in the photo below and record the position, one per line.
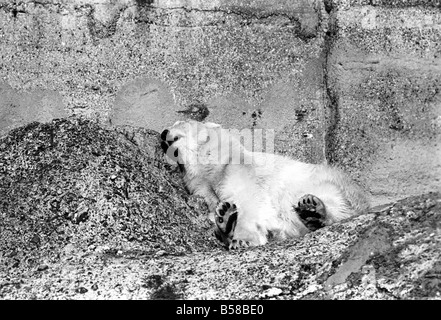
(384, 87)
(353, 82)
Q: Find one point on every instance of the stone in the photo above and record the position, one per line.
(79, 157)
(383, 81)
(42, 267)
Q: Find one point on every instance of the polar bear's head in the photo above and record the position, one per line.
(183, 141)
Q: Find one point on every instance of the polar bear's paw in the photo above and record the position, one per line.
(226, 220)
(238, 243)
(311, 211)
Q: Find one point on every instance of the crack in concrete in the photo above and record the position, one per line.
(247, 18)
(241, 13)
(227, 12)
(331, 98)
(12, 7)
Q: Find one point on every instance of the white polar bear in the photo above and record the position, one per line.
(252, 195)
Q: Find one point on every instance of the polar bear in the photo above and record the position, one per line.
(254, 195)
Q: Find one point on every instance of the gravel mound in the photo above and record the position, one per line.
(72, 185)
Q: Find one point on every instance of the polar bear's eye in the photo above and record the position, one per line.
(175, 138)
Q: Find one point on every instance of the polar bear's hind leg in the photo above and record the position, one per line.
(311, 211)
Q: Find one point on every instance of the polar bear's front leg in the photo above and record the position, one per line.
(225, 217)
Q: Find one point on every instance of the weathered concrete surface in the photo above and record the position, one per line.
(126, 230)
(384, 90)
(147, 60)
(20, 108)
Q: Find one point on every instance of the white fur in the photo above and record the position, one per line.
(265, 187)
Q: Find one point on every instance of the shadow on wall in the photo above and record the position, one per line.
(20, 108)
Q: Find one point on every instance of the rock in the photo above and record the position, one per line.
(42, 267)
(81, 290)
(160, 253)
(270, 293)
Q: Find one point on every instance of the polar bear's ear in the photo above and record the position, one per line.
(212, 125)
(209, 131)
